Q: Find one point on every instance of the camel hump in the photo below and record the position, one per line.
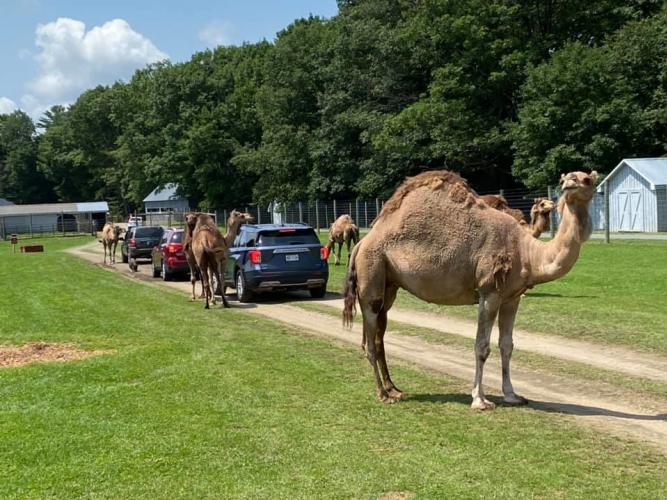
(436, 180)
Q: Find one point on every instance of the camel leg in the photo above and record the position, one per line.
(113, 252)
(371, 326)
(506, 326)
(222, 286)
(340, 253)
(348, 242)
(392, 390)
(206, 288)
(488, 310)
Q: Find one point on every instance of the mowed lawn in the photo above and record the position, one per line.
(616, 293)
(192, 403)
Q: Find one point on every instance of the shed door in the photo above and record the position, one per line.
(630, 211)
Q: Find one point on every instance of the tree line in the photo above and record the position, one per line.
(502, 91)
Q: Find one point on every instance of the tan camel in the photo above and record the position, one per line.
(343, 230)
(209, 249)
(110, 236)
(436, 239)
(500, 203)
(190, 223)
(540, 216)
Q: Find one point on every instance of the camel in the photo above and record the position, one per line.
(110, 236)
(209, 249)
(436, 239)
(190, 223)
(500, 203)
(540, 216)
(343, 230)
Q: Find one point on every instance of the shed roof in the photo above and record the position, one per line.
(654, 170)
(55, 208)
(4, 203)
(168, 193)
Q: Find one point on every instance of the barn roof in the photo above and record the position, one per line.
(168, 193)
(654, 170)
(4, 203)
(54, 208)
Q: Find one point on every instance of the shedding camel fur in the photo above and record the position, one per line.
(436, 239)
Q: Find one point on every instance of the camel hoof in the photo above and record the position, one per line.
(515, 400)
(386, 398)
(395, 393)
(482, 404)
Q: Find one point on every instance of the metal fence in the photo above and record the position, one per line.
(65, 228)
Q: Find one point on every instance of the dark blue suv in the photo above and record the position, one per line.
(276, 257)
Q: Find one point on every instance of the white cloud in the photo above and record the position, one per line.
(72, 59)
(217, 33)
(7, 106)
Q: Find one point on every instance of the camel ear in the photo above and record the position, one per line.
(562, 177)
(594, 176)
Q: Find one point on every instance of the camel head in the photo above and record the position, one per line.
(236, 217)
(542, 206)
(578, 187)
(191, 220)
(118, 232)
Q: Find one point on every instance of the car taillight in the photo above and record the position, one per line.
(324, 253)
(255, 256)
(133, 243)
(174, 247)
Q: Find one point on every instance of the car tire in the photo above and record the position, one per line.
(124, 257)
(156, 271)
(319, 292)
(166, 274)
(243, 293)
(215, 286)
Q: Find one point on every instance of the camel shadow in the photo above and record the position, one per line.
(560, 296)
(545, 406)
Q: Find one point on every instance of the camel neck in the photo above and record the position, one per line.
(540, 224)
(551, 260)
(232, 231)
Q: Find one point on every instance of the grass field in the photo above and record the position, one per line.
(615, 294)
(195, 403)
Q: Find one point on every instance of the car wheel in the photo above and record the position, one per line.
(243, 293)
(166, 275)
(215, 285)
(156, 271)
(319, 292)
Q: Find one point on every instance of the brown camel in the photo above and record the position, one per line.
(540, 216)
(343, 230)
(500, 203)
(436, 239)
(190, 223)
(209, 249)
(110, 236)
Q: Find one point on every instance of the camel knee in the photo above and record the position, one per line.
(482, 350)
(506, 345)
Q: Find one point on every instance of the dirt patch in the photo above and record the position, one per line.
(41, 352)
(396, 495)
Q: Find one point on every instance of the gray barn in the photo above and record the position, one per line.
(637, 195)
(52, 217)
(166, 200)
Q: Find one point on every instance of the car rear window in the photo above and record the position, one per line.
(148, 232)
(288, 237)
(177, 237)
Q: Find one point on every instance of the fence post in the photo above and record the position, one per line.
(606, 212)
(259, 213)
(365, 214)
(300, 212)
(317, 215)
(335, 212)
(285, 213)
(552, 214)
(351, 210)
(377, 208)
(224, 212)
(30, 226)
(62, 219)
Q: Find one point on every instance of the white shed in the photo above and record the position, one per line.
(637, 195)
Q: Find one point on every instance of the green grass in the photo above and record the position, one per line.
(220, 404)
(614, 294)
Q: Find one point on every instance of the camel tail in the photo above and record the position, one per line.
(350, 291)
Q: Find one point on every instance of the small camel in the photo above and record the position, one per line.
(436, 239)
(190, 223)
(110, 236)
(540, 216)
(343, 230)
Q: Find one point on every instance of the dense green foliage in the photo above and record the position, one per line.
(503, 91)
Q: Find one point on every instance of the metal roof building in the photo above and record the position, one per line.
(166, 200)
(51, 217)
(637, 195)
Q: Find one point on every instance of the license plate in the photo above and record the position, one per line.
(292, 257)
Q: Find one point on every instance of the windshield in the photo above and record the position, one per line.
(148, 232)
(177, 237)
(295, 237)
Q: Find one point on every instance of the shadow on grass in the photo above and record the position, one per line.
(546, 406)
(560, 296)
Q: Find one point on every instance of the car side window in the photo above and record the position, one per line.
(165, 238)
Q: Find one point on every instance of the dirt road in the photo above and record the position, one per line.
(617, 411)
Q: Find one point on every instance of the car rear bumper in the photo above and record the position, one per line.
(264, 282)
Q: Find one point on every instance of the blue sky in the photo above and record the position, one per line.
(52, 50)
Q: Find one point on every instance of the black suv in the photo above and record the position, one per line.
(139, 242)
(276, 257)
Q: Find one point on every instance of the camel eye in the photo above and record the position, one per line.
(587, 181)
